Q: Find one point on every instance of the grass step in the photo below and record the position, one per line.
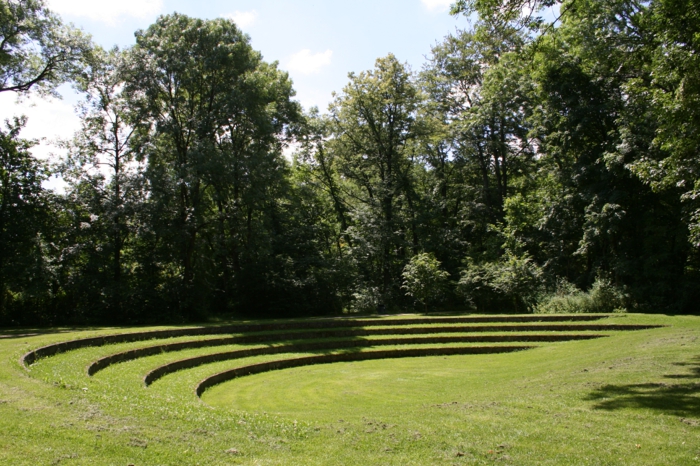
(451, 329)
(188, 363)
(56, 348)
(348, 357)
(277, 337)
(130, 355)
(628, 389)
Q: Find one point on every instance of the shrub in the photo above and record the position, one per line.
(510, 284)
(365, 299)
(568, 299)
(423, 279)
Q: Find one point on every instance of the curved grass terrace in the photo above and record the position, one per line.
(102, 340)
(329, 343)
(467, 391)
(329, 336)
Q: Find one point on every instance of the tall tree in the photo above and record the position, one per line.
(106, 181)
(218, 115)
(24, 208)
(373, 124)
(605, 101)
(668, 93)
(37, 53)
(479, 92)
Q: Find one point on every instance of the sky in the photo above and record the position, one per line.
(317, 42)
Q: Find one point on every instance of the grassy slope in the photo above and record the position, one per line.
(633, 398)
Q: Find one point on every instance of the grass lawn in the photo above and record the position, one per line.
(631, 398)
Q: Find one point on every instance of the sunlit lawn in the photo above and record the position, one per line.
(631, 398)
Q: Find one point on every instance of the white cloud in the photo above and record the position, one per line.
(47, 121)
(242, 18)
(107, 11)
(305, 62)
(437, 5)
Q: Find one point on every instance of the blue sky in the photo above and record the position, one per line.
(317, 42)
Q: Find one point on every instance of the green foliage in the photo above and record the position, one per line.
(366, 299)
(24, 217)
(373, 123)
(568, 299)
(522, 13)
(510, 284)
(37, 51)
(589, 205)
(106, 190)
(524, 154)
(225, 211)
(669, 94)
(423, 279)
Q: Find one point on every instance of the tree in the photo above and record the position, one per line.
(106, 183)
(477, 80)
(669, 93)
(24, 209)
(37, 51)
(509, 284)
(320, 164)
(613, 122)
(373, 125)
(218, 116)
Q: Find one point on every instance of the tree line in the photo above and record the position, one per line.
(531, 165)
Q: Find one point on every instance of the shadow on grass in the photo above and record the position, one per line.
(679, 399)
(24, 333)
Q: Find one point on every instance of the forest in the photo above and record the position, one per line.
(546, 159)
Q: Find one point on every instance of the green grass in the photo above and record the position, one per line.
(632, 398)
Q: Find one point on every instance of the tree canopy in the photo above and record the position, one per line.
(531, 165)
(37, 51)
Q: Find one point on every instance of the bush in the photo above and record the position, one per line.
(568, 299)
(423, 279)
(365, 299)
(509, 285)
